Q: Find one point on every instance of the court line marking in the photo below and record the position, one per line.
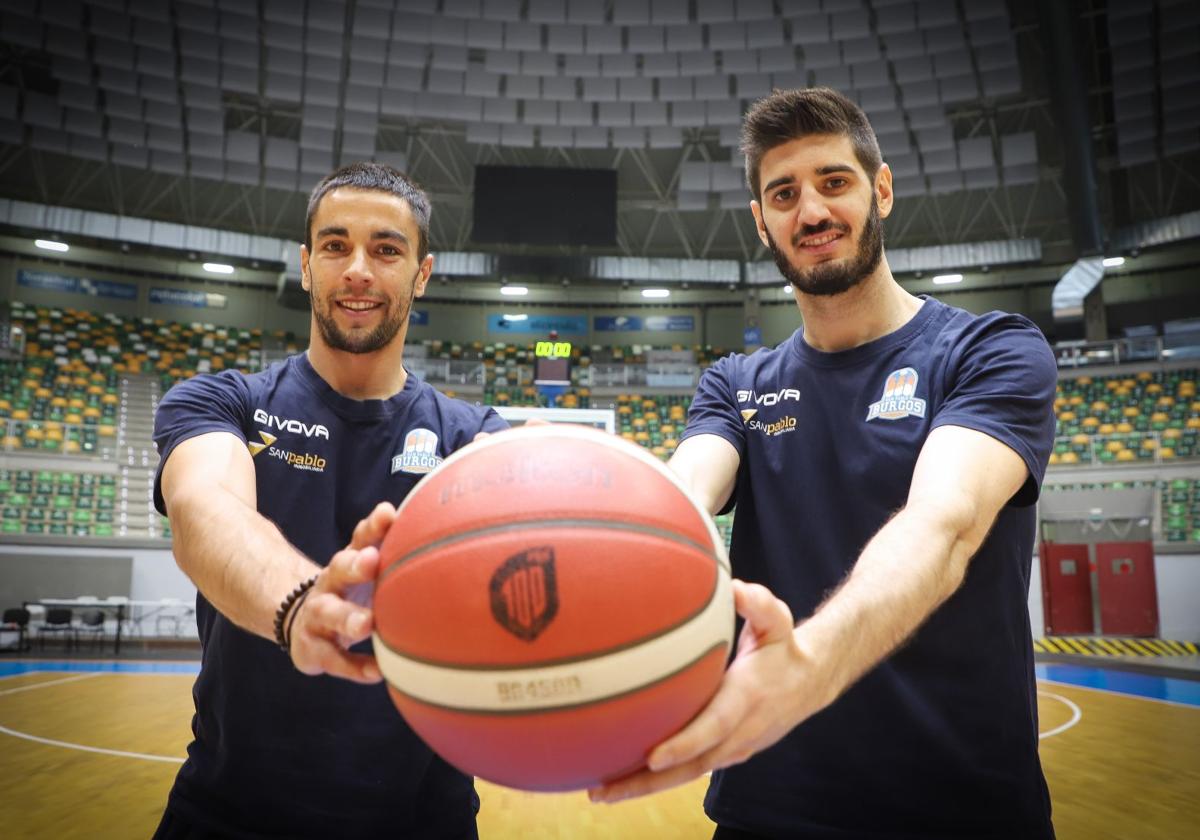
(1076, 715)
(68, 745)
(84, 748)
(32, 686)
(1124, 694)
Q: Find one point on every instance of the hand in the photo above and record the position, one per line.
(336, 614)
(767, 690)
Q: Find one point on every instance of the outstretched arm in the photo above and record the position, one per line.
(783, 675)
(244, 565)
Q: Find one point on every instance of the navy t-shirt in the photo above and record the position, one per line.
(276, 752)
(940, 740)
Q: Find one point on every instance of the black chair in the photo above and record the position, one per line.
(16, 620)
(58, 621)
(91, 621)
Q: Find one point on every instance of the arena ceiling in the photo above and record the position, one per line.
(222, 114)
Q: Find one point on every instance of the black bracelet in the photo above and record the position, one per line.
(292, 601)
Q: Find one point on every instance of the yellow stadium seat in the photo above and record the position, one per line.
(1069, 458)
(1126, 455)
(1124, 428)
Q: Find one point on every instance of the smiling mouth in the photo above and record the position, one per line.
(818, 241)
(358, 305)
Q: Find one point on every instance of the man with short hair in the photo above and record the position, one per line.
(884, 460)
(279, 487)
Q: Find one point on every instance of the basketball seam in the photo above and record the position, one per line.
(608, 524)
(550, 663)
(617, 444)
(564, 708)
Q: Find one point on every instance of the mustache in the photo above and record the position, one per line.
(812, 230)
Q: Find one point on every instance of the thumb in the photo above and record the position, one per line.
(767, 618)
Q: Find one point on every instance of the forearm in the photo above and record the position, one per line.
(237, 558)
(913, 564)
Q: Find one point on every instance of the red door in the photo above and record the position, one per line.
(1066, 589)
(1128, 596)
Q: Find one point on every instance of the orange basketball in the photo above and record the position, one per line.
(551, 604)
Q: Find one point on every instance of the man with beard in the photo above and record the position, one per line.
(884, 461)
(264, 478)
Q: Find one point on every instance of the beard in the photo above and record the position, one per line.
(395, 316)
(834, 277)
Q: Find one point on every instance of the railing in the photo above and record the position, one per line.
(1150, 348)
(653, 376)
(447, 371)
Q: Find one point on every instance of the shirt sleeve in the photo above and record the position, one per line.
(493, 422)
(1002, 384)
(713, 410)
(197, 406)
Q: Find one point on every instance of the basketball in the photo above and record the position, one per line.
(551, 604)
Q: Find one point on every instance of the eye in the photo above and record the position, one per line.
(836, 183)
(332, 245)
(389, 250)
(784, 194)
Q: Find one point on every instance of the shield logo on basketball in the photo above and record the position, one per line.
(524, 593)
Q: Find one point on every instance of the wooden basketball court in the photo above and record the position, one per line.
(91, 752)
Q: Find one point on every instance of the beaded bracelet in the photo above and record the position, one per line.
(290, 604)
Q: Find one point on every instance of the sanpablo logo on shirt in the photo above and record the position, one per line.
(301, 461)
(783, 425)
(419, 455)
(898, 399)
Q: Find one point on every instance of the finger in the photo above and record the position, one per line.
(329, 616)
(321, 656)
(348, 567)
(645, 782)
(769, 617)
(374, 526)
(708, 729)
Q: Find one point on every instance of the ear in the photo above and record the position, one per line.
(883, 190)
(759, 224)
(423, 275)
(304, 282)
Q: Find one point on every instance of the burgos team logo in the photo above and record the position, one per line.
(419, 455)
(898, 400)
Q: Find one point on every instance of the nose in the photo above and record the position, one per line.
(358, 270)
(811, 209)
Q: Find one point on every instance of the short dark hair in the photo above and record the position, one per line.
(790, 114)
(374, 176)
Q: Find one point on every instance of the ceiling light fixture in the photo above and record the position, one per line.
(514, 291)
(656, 293)
(947, 279)
(51, 245)
(218, 268)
